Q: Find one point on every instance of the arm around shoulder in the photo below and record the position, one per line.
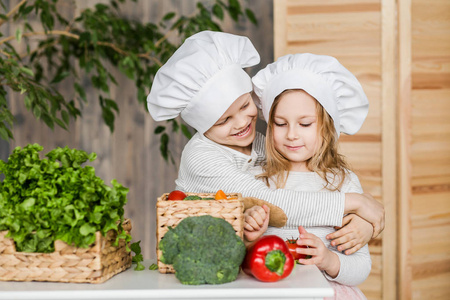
(206, 169)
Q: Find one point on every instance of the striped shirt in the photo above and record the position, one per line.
(355, 268)
(207, 167)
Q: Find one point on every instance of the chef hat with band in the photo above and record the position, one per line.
(322, 77)
(202, 79)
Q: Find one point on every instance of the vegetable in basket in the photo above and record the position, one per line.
(268, 259)
(55, 198)
(203, 250)
(179, 195)
(176, 195)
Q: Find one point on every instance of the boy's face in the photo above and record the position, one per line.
(295, 133)
(236, 128)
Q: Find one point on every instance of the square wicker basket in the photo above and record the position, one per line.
(67, 263)
(170, 213)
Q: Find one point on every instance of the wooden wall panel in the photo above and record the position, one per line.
(350, 31)
(430, 149)
(404, 153)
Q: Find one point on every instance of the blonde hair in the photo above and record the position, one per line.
(326, 161)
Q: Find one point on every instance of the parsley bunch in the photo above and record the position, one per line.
(55, 198)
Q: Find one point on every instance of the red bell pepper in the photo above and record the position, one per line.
(268, 259)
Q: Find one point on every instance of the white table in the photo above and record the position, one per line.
(305, 282)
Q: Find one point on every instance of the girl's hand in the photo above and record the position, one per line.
(353, 235)
(321, 256)
(256, 222)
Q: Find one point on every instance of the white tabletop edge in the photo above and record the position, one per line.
(305, 282)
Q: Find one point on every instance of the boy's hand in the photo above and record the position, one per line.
(368, 208)
(256, 222)
(353, 235)
(321, 256)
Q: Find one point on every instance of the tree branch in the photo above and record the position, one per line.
(56, 32)
(12, 11)
(149, 57)
(5, 54)
(77, 37)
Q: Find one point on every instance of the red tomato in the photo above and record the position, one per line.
(292, 245)
(176, 195)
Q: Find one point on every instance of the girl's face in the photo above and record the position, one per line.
(236, 128)
(295, 132)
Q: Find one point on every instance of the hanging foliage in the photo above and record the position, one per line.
(81, 48)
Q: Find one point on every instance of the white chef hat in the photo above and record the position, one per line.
(202, 79)
(324, 78)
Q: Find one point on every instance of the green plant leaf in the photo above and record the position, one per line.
(28, 203)
(175, 125)
(37, 112)
(87, 229)
(112, 104)
(137, 258)
(218, 11)
(234, 9)
(164, 149)
(159, 129)
(186, 131)
(27, 71)
(65, 117)
(5, 133)
(251, 16)
(60, 76)
(80, 91)
(169, 16)
(18, 34)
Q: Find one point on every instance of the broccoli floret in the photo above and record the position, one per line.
(203, 250)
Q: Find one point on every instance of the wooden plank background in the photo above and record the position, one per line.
(131, 154)
(404, 128)
(429, 217)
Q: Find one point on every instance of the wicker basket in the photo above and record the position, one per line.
(170, 213)
(66, 264)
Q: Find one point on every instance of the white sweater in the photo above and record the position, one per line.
(206, 167)
(355, 267)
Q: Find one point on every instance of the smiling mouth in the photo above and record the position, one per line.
(293, 148)
(243, 132)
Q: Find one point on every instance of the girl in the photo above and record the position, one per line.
(204, 83)
(307, 101)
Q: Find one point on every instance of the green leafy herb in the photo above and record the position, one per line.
(137, 258)
(193, 197)
(55, 198)
(153, 267)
